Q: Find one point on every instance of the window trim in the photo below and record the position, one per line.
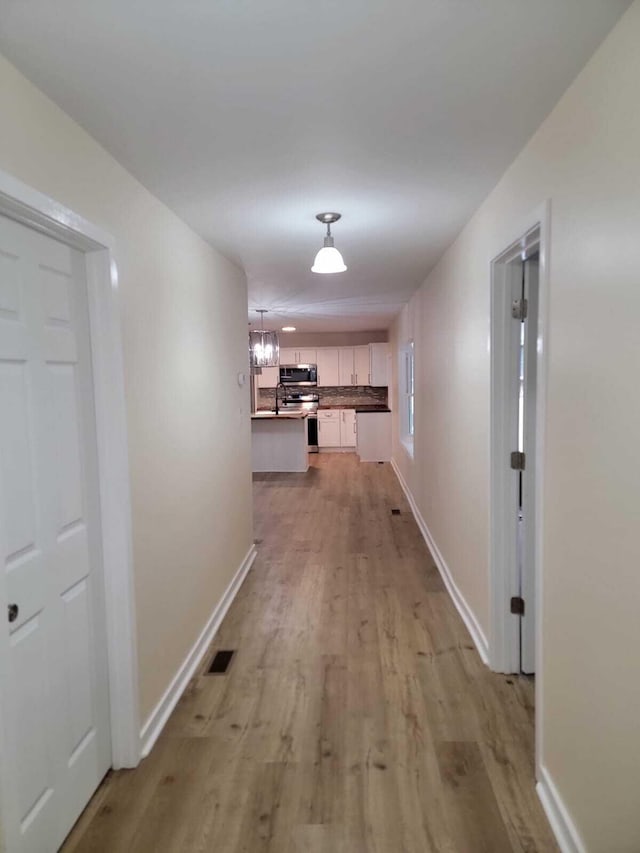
(407, 395)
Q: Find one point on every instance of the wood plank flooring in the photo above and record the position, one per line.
(356, 716)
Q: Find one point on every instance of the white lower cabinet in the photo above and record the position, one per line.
(374, 436)
(337, 428)
(329, 428)
(348, 428)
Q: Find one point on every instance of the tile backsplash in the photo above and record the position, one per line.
(346, 396)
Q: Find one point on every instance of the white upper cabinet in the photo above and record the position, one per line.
(361, 365)
(328, 370)
(307, 356)
(346, 365)
(290, 355)
(356, 366)
(337, 366)
(379, 356)
(269, 377)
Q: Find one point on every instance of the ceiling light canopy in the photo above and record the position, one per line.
(264, 347)
(328, 260)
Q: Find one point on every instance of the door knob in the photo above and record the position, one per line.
(13, 611)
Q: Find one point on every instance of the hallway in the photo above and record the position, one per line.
(356, 715)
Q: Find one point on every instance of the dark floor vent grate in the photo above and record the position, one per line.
(395, 512)
(221, 662)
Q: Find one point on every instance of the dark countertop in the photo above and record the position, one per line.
(263, 415)
(360, 408)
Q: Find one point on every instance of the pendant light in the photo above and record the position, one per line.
(328, 259)
(264, 347)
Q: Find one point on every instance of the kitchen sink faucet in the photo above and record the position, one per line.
(280, 385)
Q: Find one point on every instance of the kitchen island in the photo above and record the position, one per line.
(279, 442)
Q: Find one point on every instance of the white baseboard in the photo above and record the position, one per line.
(559, 818)
(467, 614)
(161, 713)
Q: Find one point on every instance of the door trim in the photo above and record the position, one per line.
(36, 210)
(502, 633)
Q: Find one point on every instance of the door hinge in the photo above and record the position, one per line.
(519, 308)
(518, 460)
(517, 605)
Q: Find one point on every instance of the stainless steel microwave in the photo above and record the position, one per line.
(299, 374)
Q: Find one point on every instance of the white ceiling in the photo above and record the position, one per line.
(248, 117)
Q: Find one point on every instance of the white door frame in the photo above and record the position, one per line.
(38, 211)
(503, 637)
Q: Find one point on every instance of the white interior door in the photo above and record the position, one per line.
(527, 440)
(54, 705)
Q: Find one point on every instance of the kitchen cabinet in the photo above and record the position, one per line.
(307, 356)
(337, 428)
(269, 377)
(328, 369)
(348, 428)
(355, 365)
(340, 366)
(379, 360)
(361, 365)
(290, 355)
(345, 365)
(374, 436)
(329, 428)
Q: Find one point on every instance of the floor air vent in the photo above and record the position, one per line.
(221, 662)
(395, 512)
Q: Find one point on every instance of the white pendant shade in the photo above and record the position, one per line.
(328, 260)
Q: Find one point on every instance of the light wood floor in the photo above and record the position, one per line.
(356, 716)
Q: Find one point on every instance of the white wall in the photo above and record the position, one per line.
(585, 158)
(184, 315)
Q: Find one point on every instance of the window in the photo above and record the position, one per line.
(407, 395)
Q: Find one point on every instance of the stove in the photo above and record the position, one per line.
(304, 401)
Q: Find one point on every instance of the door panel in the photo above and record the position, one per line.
(307, 356)
(53, 655)
(288, 356)
(345, 360)
(269, 377)
(328, 433)
(527, 564)
(348, 436)
(379, 357)
(328, 369)
(361, 366)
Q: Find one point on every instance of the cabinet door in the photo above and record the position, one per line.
(348, 437)
(269, 377)
(374, 436)
(345, 361)
(361, 366)
(379, 361)
(328, 432)
(307, 356)
(288, 356)
(328, 369)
